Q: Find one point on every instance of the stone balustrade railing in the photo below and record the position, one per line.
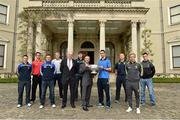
(66, 3)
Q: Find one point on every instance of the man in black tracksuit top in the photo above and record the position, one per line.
(121, 77)
(133, 70)
(79, 61)
(24, 75)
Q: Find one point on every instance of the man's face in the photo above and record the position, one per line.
(25, 59)
(69, 55)
(132, 58)
(145, 57)
(121, 56)
(38, 55)
(48, 58)
(87, 59)
(57, 55)
(80, 55)
(103, 54)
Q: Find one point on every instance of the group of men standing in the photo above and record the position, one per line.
(69, 73)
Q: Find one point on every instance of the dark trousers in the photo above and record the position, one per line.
(103, 84)
(70, 83)
(78, 80)
(45, 84)
(58, 78)
(21, 86)
(119, 82)
(86, 94)
(130, 87)
(35, 81)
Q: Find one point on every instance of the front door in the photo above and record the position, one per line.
(90, 54)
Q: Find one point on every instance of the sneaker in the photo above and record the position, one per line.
(117, 101)
(107, 108)
(129, 109)
(19, 105)
(53, 106)
(152, 104)
(138, 110)
(100, 105)
(29, 105)
(41, 106)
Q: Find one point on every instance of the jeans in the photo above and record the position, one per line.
(21, 86)
(147, 82)
(58, 78)
(45, 84)
(103, 84)
(35, 81)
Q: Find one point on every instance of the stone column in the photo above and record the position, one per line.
(134, 36)
(70, 35)
(38, 37)
(141, 41)
(30, 41)
(102, 35)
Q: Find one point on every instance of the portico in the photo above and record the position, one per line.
(88, 26)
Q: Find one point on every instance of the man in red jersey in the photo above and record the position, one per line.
(36, 65)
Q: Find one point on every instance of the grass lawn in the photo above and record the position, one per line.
(155, 80)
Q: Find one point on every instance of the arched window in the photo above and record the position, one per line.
(87, 45)
(63, 49)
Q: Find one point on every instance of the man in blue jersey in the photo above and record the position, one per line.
(47, 73)
(24, 76)
(103, 80)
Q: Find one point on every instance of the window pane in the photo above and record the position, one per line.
(175, 10)
(1, 61)
(176, 50)
(2, 18)
(175, 19)
(3, 9)
(176, 62)
(2, 47)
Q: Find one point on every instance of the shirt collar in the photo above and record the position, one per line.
(104, 58)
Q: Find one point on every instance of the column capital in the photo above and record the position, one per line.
(134, 23)
(102, 23)
(142, 23)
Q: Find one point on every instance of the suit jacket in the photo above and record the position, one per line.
(68, 75)
(86, 75)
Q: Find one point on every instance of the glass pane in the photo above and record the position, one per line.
(175, 19)
(2, 47)
(3, 9)
(2, 18)
(176, 62)
(175, 10)
(176, 51)
(1, 61)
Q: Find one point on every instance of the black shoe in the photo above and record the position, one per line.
(32, 101)
(89, 105)
(85, 108)
(152, 104)
(73, 106)
(63, 106)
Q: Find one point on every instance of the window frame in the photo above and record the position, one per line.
(2, 45)
(7, 13)
(5, 54)
(174, 56)
(170, 15)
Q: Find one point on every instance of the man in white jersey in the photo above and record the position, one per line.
(57, 63)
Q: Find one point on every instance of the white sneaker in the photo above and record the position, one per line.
(100, 105)
(138, 110)
(41, 106)
(129, 109)
(53, 106)
(29, 104)
(18, 106)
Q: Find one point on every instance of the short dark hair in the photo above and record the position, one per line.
(48, 55)
(145, 53)
(37, 53)
(25, 55)
(103, 51)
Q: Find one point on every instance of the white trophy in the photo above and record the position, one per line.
(94, 69)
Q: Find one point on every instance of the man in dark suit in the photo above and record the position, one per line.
(68, 69)
(87, 82)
